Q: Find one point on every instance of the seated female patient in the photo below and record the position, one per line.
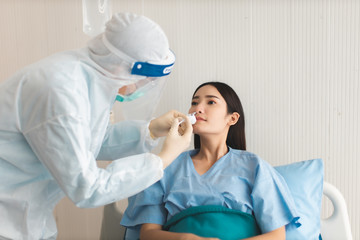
(219, 179)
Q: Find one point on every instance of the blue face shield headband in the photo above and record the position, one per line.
(151, 70)
(146, 69)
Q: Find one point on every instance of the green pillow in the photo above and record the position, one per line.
(214, 221)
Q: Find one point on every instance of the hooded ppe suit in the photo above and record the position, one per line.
(54, 124)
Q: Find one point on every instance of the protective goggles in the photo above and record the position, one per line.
(147, 69)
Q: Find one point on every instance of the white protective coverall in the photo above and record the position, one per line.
(54, 124)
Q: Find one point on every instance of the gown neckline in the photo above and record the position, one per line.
(211, 169)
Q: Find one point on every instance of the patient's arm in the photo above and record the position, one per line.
(277, 234)
(151, 231)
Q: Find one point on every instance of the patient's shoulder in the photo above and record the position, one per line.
(179, 162)
(244, 155)
(250, 159)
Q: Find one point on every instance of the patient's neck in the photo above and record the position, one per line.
(212, 149)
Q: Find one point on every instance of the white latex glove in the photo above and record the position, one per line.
(176, 142)
(159, 127)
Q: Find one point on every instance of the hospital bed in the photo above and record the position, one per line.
(336, 226)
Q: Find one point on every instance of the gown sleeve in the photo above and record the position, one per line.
(272, 201)
(126, 138)
(62, 146)
(146, 207)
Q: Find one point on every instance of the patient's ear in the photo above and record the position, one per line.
(234, 118)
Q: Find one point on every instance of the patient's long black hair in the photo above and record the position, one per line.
(236, 135)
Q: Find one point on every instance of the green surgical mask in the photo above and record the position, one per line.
(128, 98)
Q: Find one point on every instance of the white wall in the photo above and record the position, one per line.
(294, 63)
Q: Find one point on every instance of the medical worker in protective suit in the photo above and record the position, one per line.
(54, 124)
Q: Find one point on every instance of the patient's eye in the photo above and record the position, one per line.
(211, 102)
(193, 103)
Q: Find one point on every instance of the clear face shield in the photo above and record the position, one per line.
(136, 90)
(138, 100)
(141, 104)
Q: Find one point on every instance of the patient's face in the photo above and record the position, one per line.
(211, 111)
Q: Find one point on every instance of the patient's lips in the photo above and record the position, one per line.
(200, 118)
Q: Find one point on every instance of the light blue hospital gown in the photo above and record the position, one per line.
(239, 180)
